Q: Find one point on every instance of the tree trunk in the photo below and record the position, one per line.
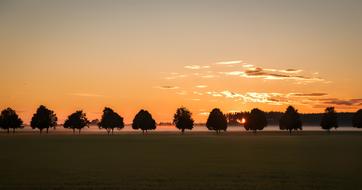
(290, 132)
(73, 130)
(8, 130)
(112, 131)
(41, 130)
(108, 131)
(47, 129)
(79, 131)
(182, 131)
(143, 132)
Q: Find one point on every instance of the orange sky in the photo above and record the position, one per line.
(159, 55)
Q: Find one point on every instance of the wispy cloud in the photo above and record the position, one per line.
(248, 65)
(167, 87)
(273, 98)
(228, 62)
(195, 99)
(201, 86)
(214, 94)
(182, 93)
(284, 70)
(336, 101)
(308, 94)
(208, 76)
(196, 67)
(273, 74)
(198, 93)
(175, 75)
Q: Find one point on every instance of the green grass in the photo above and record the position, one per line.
(270, 160)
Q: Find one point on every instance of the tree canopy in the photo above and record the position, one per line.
(290, 120)
(357, 119)
(10, 120)
(217, 121)
(256, 120)
(110, 120)
(76, 120)
(329, 119)
(183, 120)
(43, 119)
(144, 121)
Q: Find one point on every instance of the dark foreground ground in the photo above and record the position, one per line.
(269, 160)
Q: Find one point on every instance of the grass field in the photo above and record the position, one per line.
(269, 160)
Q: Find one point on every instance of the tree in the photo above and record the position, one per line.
(183, 120)
(357, 119)
(256, 120)
(290, 120)
(10, 120)
(76, 120)
(329, 119)
(144, 121)
(43, 119)
(111, 120)
(217, 121)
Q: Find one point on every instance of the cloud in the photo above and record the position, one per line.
(336, 101)
(208, 76)
(86, 95)
(175, 76)
(181, 93)
(229, 94)
(201, 86)
(308, 94)
(254, 97)
(196, 67)
(273, 74)
(272, 98)
(167, 87)
(248, 65)
(195, 99)
(214, 94)
(198, 93)
(284, 70)
(291, 71)
(228, 62)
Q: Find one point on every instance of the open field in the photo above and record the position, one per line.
(267, 160)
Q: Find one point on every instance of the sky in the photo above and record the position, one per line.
(162, 54)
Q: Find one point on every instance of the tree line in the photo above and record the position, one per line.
(308, 119)
(255, 120)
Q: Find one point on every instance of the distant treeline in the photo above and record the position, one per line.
(308, 119)
(255, 120)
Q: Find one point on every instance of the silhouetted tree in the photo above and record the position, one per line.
(144, 121)
(10, 120)
(329, 119)
(183, 120)
(357, 119)
(256, 120)
(43, 119)
(76, 120)
(217, 121)
(290, 120)
(111, 120)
